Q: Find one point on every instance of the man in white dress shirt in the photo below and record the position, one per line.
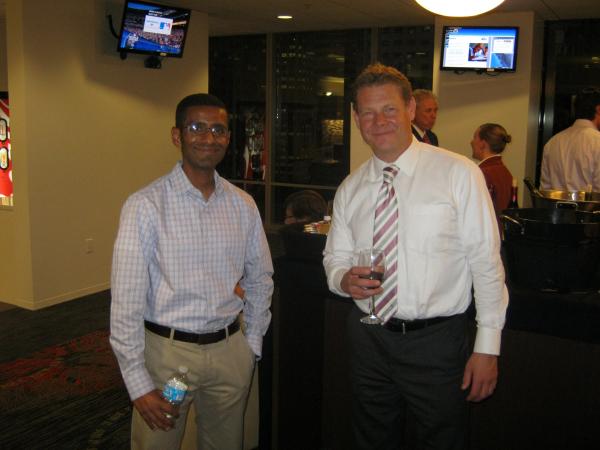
(572, 157)
(447, 243)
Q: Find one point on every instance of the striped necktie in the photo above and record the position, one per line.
(426, 138)
(385, 237)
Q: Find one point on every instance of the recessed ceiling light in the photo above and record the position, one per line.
(284, 17)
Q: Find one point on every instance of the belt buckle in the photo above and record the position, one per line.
(201, 339)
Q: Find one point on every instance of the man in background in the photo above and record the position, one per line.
(425, 116)
(303, 207)
(184, 243)
(571, 159)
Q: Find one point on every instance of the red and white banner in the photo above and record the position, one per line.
(6, 184)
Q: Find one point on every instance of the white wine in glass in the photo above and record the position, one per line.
(374, 259)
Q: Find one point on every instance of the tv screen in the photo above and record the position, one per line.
(153, 29)
(482, 49)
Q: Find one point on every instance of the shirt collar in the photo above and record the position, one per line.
(181, 183)
(421, 132)
(406, 162)
(489, 157)
(584, 123)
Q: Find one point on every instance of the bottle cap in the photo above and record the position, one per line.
(183, 369)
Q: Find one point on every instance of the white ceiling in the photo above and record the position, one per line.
(230, 17)
(259, 16)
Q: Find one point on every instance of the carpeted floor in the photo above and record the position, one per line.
(60, 387)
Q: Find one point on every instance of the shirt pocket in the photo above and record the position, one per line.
(178, 257)
(431, 229)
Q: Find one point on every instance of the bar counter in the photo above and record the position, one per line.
(548, 394)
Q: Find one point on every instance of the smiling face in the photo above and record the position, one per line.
(384, 119)
(202, 151)
(426, 113)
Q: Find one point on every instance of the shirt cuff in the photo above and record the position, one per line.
(255, 343)
(139, 384)
(487, 341)
(336, 282)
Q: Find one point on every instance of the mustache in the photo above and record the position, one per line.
(214, 146)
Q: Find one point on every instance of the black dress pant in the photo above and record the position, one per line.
(413, 378)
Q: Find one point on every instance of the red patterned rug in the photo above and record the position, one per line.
(65, 396)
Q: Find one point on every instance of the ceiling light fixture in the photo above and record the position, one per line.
(285, 17)
(459, 8)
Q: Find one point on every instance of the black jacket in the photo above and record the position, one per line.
(432, 136)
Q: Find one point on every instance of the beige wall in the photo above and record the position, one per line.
(87, 130)
(3, 69)
(469, 100)
(510, 99)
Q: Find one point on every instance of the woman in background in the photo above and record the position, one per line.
(489, 141)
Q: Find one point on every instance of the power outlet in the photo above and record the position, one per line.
(89, 245)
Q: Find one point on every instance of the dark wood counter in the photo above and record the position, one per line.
(548, 393)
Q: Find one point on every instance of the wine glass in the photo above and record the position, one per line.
(374, 259)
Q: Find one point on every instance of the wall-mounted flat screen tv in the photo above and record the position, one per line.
(153, 29)
(484, 49)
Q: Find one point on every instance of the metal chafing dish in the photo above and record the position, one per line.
(552, 248)
(579, 200)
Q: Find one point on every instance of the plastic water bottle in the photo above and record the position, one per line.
(176, 387)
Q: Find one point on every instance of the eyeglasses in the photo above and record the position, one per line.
(200, 129)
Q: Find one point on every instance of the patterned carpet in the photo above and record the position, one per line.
(68, 395)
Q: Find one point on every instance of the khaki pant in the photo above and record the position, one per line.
(219, 379)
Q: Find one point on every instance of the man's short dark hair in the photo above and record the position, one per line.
(586, 102)
(306, 206)
(196, 100)
(377, 74)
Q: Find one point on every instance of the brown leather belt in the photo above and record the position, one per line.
(200, 339)
(404, 326)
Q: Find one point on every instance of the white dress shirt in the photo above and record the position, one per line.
(176, 262)
(572, 158)
(447, 238)
(421, 132)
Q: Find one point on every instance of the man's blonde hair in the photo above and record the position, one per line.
(377, 74)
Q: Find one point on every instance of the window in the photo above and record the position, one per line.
(289, 99)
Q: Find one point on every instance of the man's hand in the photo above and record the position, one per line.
(154, 409)
(360, 288)
(481, 373)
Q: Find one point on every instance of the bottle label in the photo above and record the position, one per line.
(173, 394)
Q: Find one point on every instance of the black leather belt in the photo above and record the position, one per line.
(200, 339)
(404, 326)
